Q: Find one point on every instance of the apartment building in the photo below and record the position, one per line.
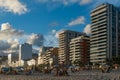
(80, 49)
(51, 56)
(105, 30)
(65, 37)
(43, 49)
(41, 54)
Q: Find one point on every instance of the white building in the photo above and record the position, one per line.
(65, 37)
(105, 32)
(9, 59)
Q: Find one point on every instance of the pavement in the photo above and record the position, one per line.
(82, 75)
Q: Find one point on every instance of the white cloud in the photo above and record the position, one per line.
(115, 2)
(57, 35)
(7, 32)
(14, 6)
(14, 43)
(54, 31)
(83, 2)
(56, 3)
(78, 21)
(10, 39)
(54, 24)
(9, 46)
(36, 39)
(51, 39)
(5, 26)
(66, 2)
(87, 29)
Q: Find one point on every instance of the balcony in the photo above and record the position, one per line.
(95, 48)
(99, 11)
(95, 20)
(100, 54)
(98, 60)
(100, 7)
(97, 17)
(99, 22)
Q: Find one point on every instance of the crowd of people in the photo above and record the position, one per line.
(57, 70)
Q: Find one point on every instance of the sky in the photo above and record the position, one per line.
(38, 21)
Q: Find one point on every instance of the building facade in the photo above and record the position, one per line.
(41, 55)
(65, 37)
(80, 49)
(105, 33)
(51, 57)
(43, 50)
(25, 52)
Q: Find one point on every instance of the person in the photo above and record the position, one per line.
(108, 69)
(64, 69)
(72, 70)
(102, 69)
(28, 72)
(57, 70)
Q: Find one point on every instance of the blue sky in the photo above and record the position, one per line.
(42, 16)
(35, 21)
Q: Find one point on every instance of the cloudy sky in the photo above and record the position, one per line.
(38, 21)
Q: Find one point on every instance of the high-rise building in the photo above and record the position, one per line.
(65, 37)
(51, 56)
(105, 30)
(41, 55)
(25, 52)
(80, 49)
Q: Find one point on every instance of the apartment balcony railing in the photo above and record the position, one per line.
(99, 11)
(98, 8)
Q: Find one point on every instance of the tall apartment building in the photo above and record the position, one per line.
(51, 56)
(65, 37)
(105, 38)
(41, 54)
(80, 49)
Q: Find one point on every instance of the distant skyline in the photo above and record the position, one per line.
(22, 20)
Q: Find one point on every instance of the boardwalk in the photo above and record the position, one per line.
(82, 75)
